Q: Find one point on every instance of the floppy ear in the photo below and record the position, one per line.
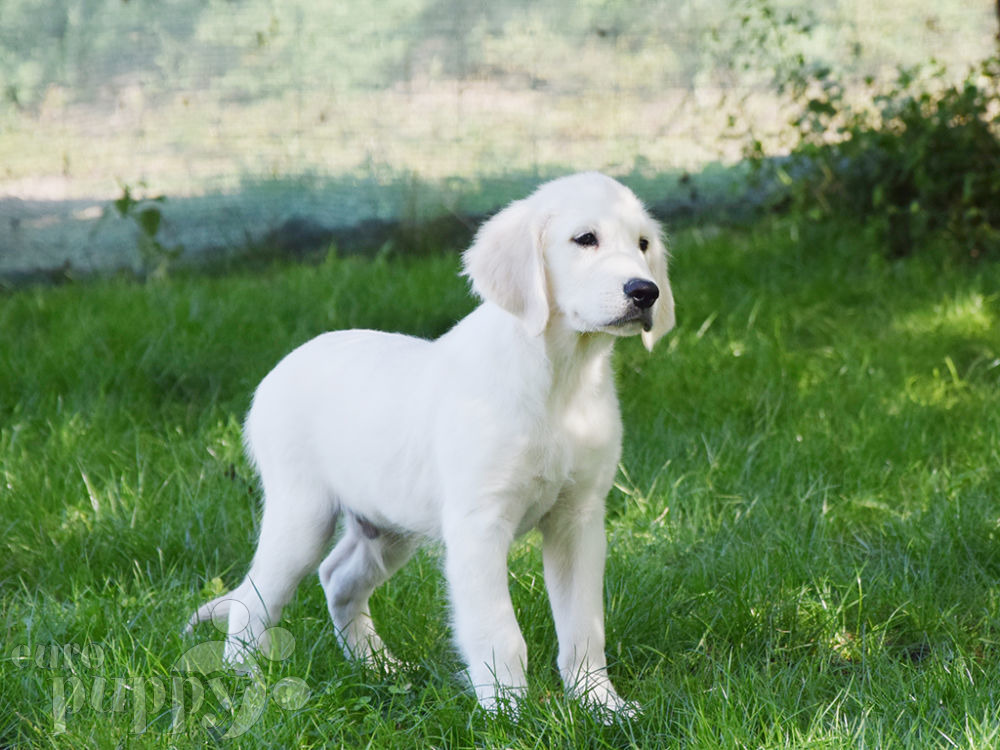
(505, 265)
(663, 308)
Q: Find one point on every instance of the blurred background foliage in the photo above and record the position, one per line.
(279, 122)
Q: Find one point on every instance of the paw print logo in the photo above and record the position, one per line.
(204, 666)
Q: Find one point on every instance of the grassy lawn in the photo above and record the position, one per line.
(805, 535)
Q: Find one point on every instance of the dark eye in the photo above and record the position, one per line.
(587, 239)
(643, 244)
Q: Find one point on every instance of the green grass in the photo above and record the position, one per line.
(805, 535)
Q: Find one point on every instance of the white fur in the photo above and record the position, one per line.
(507, 422)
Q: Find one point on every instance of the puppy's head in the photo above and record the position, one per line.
(582, 252)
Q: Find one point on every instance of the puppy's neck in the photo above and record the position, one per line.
(577, 359)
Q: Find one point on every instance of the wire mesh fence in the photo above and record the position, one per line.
(250, 114)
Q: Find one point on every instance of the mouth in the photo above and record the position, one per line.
(642, 316)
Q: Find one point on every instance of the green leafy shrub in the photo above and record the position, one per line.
(919, 159)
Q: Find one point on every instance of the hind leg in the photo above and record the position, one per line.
(363, 559)
(296, 527)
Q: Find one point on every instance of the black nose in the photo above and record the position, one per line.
(642, 292)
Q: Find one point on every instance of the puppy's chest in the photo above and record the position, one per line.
(577, 448)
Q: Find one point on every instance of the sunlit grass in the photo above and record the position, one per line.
(968, 313)
(805, 533)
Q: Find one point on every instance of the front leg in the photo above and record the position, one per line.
(573, 552)
(485, 627)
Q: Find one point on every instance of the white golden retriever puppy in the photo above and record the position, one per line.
(507, 422)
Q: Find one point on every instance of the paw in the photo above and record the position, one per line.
(494, 698)
(245, 656)
(240, 657)
(503, 701)
(382, 661)
(605, 704)
(368, 650)
(614, 711)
